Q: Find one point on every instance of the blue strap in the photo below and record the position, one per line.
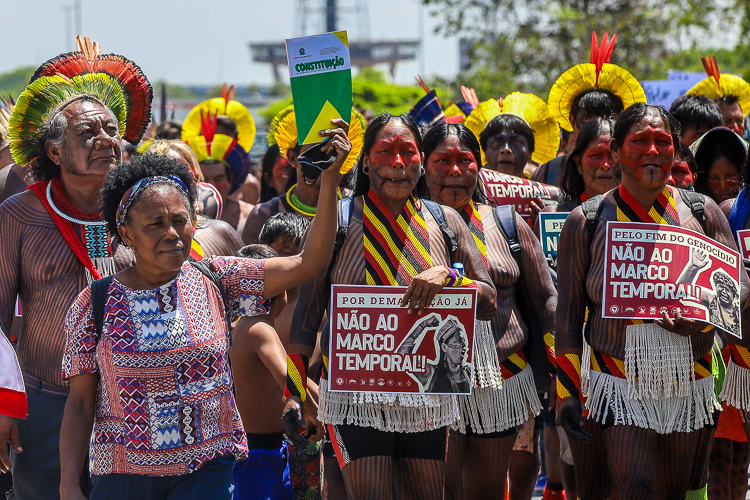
(740, 211)
(505, 218)
(437, 213)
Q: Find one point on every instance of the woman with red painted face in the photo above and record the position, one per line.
(589, 169)
(684, 169)
(730, 453)
(390, 230)
(647, 455)
(503, 394)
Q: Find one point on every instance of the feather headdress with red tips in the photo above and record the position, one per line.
(718, 85)
(601, 54)
(598, 73)
(134, 85)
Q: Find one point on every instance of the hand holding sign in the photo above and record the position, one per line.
(681, 326)
(338, 141)
(423, 289)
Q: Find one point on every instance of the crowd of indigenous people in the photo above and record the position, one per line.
(165, 302)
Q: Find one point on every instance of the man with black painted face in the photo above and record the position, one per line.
(507, 142)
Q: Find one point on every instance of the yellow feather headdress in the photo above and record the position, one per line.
(283, 131)
(6, 110)
(596, 74)
(224, 105)
(529, 107)
(718, 85)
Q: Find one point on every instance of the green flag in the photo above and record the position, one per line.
(320, 72)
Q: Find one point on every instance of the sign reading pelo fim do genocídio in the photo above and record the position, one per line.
(654, 268)
(320, 74)
(376, 347)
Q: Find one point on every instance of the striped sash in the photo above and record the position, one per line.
(396, 250)
(471, 217)
(616, 367)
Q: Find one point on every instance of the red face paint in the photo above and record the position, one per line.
(647, 154)
(395, 152)
(451, 173)
(597, 167)
(680, 176)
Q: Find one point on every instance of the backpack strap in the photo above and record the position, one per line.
(99, 289)
(439, 215)
(208, 271)
(505, 218)
(740, 211)
(592, 209)
(697, 204)
(346, 209)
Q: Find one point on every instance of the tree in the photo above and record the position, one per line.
(13, 82)
(527, 44)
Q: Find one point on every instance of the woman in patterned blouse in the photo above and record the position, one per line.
(154, 383)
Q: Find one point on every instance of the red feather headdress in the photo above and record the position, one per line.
(134, 84)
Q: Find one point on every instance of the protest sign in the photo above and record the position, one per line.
(743, 239)
(506, 189)
(654, 268)
(376, 347)
(550, 227)
(320, 75)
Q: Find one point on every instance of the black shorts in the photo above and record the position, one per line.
(352, 442)
(510, 431)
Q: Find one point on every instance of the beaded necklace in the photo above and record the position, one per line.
(297, 205)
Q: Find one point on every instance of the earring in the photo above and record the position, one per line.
(365, 169)
(421, 171)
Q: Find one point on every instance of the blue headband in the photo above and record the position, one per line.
(130, 195)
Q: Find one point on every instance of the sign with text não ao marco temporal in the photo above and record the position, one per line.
(375, 346)
(651, 269)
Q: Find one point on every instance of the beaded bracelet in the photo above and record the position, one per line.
(296, 376)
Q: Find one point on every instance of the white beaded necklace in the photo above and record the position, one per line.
(66, 216)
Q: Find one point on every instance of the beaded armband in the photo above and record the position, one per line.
(549, 346)
(296, 376)
(568, 376)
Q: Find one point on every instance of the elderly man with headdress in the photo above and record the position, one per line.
(585, 91)
(66, 131)
(221, 132)
(302, 197)
(730, 92)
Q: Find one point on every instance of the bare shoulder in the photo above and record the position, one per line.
(218, 238)
(11, 181)
(259, 214)
(252, 331)
(22, 201)
(246, 208)
(726, 206)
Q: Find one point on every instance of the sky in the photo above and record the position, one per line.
(204, 42)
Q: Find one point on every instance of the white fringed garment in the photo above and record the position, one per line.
(659, 390)
(486, 363)
(387, 412)
(489, 410)
(736, 388)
